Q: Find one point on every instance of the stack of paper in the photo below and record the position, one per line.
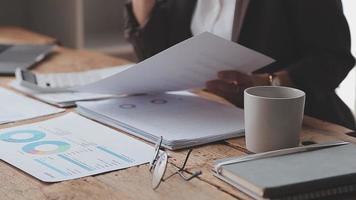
(15, 107)
(182, 120)
(68, 99)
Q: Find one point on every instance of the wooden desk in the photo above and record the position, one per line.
(135, 182)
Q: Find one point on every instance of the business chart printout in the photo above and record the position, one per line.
(70, 147)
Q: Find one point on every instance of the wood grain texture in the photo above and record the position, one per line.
(135, 182)
(17, 35)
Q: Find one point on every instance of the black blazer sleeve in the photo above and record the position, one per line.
(324, 39)
(318, 28)
(153, 37)
(168, 24)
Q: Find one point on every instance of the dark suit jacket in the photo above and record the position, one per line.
(308, 38)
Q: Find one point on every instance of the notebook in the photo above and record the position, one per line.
(182, 119)
(322, 173)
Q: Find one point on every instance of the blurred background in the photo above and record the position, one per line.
(84, 24)
(98, 25)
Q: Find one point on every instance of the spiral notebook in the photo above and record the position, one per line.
(317, 174)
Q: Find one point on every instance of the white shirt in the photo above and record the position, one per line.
(214, 16)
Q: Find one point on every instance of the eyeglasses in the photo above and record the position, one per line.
(158, 166)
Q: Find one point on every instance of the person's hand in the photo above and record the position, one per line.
(231, 85)
(142, 10)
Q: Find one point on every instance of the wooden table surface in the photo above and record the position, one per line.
(134, 182)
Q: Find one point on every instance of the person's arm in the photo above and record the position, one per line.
(322, 33)
(147, 25)
(142, 10)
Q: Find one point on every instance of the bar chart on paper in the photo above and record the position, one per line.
(70, 147)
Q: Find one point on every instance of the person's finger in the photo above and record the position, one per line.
(222, 89)
(233, 75)
(230, 96)
(220, 85)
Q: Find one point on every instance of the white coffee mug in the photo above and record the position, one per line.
(273, 117)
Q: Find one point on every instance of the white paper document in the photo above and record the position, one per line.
(187, 65)
(16, 107)
(60, 99)
(72, 79)
(70, 147)
(182, 120)
(67, 99)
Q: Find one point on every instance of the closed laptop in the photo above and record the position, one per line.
(21, 56)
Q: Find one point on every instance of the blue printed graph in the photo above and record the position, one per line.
(35, 147)
(22, 136)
